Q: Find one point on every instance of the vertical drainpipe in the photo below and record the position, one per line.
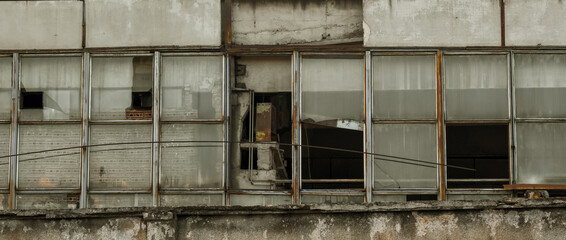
(226, 90)
(368, 131)
(440, 127)
(296, 94)
(14, 129)
(156, 133)
(85, 115)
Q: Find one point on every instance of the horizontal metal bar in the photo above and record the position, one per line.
(538, 51)
(125, 54)
(262, 54)
(330, 180)
(5, 121)
(52, 55)
(483, 191)
(154, 48)
(98, 191)
(404, 192)
(164, 192)
(105, 122)
(189, 189)
(376, 121)
(479, 180)
(540, 120)
(200, 121)
(478, 122)
(49, 122)
(6, 55)
(333, 191)
(486, 52)
(406, 53)
(344, 54)
(189, 54)
(260, 192)
(52, 191)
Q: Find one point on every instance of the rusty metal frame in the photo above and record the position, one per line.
(368, 133)
(13, 174)
(83, 201)
(227, 73)
(296, 119)
(156, 133)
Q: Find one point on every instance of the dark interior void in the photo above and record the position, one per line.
(332, 164)
(484, 148)
(142, 83)
(31, 100)
(245, 159)
(427, 197)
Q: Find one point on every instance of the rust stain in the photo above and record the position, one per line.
(440, 126)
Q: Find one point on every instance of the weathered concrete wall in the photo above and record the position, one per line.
(40, 25)
(509, 219)
(132, 23)
(535, 22)
(261, 22)
(428, 23)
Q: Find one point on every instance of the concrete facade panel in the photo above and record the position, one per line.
(296, 22)
(40, 25)
(535, 22)
(140, 23)
(429, 23)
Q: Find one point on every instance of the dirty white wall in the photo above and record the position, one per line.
(535, 22)
(133, 23)
(429, 23)
(40, 25)
(258, 22)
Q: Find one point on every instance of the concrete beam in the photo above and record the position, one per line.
(29, 25)
(430, 23)
(535, 22)
(136, 23)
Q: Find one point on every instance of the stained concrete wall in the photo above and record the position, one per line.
(261, 22)
(133, 23)
(28, 25)
(535, 22)
(429, 23)
(508, 219)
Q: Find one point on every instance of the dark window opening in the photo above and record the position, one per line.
(142, 88)
(141, 100)
(332, 164)
(484, 148)
(423, 197)
(31, 100)
(245, 159)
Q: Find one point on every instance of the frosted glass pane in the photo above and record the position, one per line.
(540, 85)
(476, 87)
(191, 164)
(120, 166)
(119, 200)
(4, 151)
(315, 199)
(260, 200)
(415, 141)
(5, 88)
(54, 169)
(191, 200)
(47, 201)
(404, 87)
(332, 89)
(59, 81)
(192, 88)
(114, 83)
(540, 153)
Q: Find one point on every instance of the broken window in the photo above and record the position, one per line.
(50, 88)
(122, 88)
(332, 98)
(262, 112)
(476, 87)
(484, 148)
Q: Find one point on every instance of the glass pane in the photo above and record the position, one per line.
(53, 169)
(260, 200)
(4, 151)
(50, 88)
(191, 200)
(192, 88)
(119, 200)
(415, 141)
(48, 201)
(191, 164)
(5, 88)
(540, 153)
(120, 166)
(4, 201)
(122, 88)
(332, 89)
(540, 85)
(404, 87)
(476, 87)
(314, 199)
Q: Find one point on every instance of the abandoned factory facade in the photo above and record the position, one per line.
(113, 103)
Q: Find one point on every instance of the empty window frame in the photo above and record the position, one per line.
(477, 117)
(540, 84)
(332, 109)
